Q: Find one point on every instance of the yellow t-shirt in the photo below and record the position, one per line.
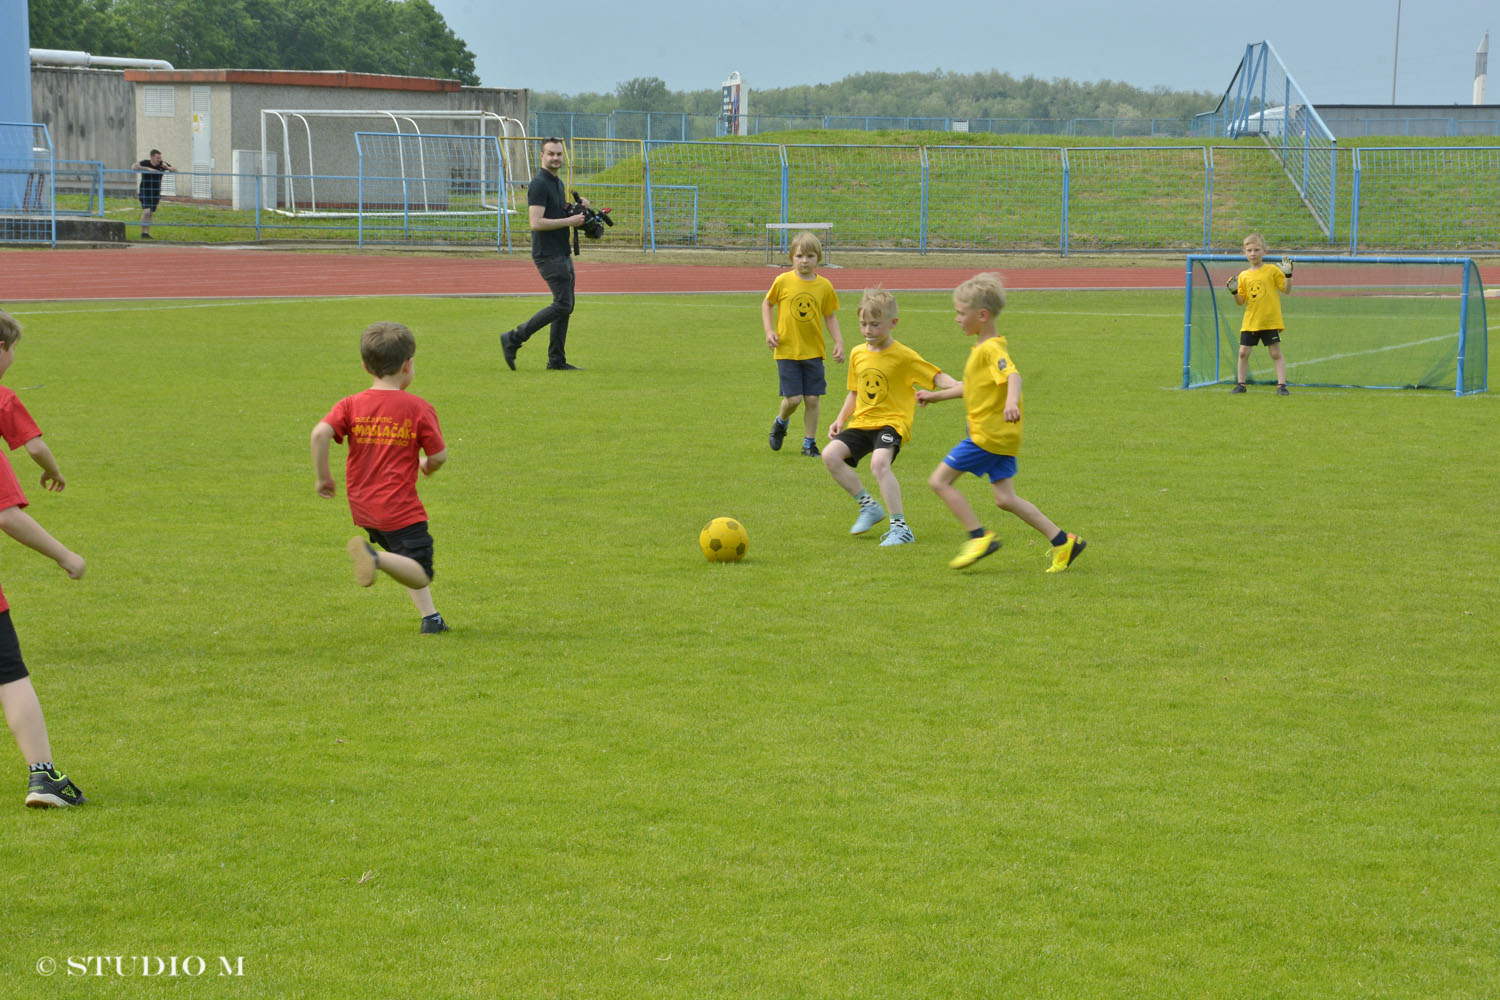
(1261, 288)
(883, 383)
(800, 308)
(986, 386)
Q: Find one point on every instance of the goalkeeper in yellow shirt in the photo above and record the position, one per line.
(1259, 288)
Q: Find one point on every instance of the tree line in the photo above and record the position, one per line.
(936, 94)
(410, 37)
(401, 37)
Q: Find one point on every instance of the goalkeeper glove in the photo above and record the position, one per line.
(1233, 284)
(1286, 266)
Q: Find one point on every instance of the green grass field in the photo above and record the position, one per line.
(1245, 747)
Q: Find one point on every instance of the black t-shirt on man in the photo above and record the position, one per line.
(547, 191)
(150, 189)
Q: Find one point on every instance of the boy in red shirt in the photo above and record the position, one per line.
(387, 427)
(46, 787)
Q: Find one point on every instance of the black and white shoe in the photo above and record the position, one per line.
(50, 790)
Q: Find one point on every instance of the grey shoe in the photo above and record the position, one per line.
(869, 515)
(898, 535)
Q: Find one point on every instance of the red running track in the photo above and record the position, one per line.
(156, 272)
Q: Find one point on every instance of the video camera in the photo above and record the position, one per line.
(593, 221)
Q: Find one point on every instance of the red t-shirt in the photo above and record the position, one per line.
(386, 428)
(16, 427)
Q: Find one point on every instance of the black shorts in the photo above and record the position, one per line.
(412, 541)
(862, 440)
(1249, 338)
(11, 667)
(149, 201)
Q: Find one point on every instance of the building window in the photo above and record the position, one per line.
(161, 102)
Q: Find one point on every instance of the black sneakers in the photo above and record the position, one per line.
(564, 367)
(433, 624)
(508, 348)
(51, 790)
(778, 434)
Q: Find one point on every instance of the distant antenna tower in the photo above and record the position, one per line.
(1481, 68)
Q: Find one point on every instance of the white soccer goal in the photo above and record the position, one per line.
(319, 161)
(430, 188)
(1362, 322)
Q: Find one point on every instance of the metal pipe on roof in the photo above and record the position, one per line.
(85, 60)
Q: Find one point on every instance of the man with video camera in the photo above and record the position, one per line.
(551, 217)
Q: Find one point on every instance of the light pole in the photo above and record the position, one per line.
(1395, 56)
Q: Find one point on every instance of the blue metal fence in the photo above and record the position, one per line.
(28, 195)
(925, 199)
(676, 126)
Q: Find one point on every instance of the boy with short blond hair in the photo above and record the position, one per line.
(393, 435)
(46, 787)
(991, 391)
(794, 313)
(1259, 288)
(877, 414)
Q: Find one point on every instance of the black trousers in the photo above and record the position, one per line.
(557, 272)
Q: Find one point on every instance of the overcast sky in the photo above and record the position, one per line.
(1339, 51)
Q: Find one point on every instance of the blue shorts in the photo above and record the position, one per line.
(801, 378)
(967, 456)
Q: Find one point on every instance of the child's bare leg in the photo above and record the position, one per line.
(890, 490)
(1279, 360)
(810, 416)
(789, 406)
(844, 475)
(23, 713)
(422, 598)
(1244, 365)
(1006, 499)
(403, 569)
(942, 482)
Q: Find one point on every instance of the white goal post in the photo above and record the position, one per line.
(333, 149)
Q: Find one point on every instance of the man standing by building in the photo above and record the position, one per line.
(548, 210)
(150, 169)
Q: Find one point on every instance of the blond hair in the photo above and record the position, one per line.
(879, 303)
(1255, 238)
(10, 330)
(983, 291)
(385, 347)
(809, 242)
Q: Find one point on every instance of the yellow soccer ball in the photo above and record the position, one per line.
(724, 540)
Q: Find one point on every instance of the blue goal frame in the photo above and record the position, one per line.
(1471, 290)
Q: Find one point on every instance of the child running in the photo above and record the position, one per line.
(991, 392)
(46, 786)
(877, 415)
(387, 427)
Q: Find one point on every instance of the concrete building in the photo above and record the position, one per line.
(1357, 121)
(89, 113)
(200, 119)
